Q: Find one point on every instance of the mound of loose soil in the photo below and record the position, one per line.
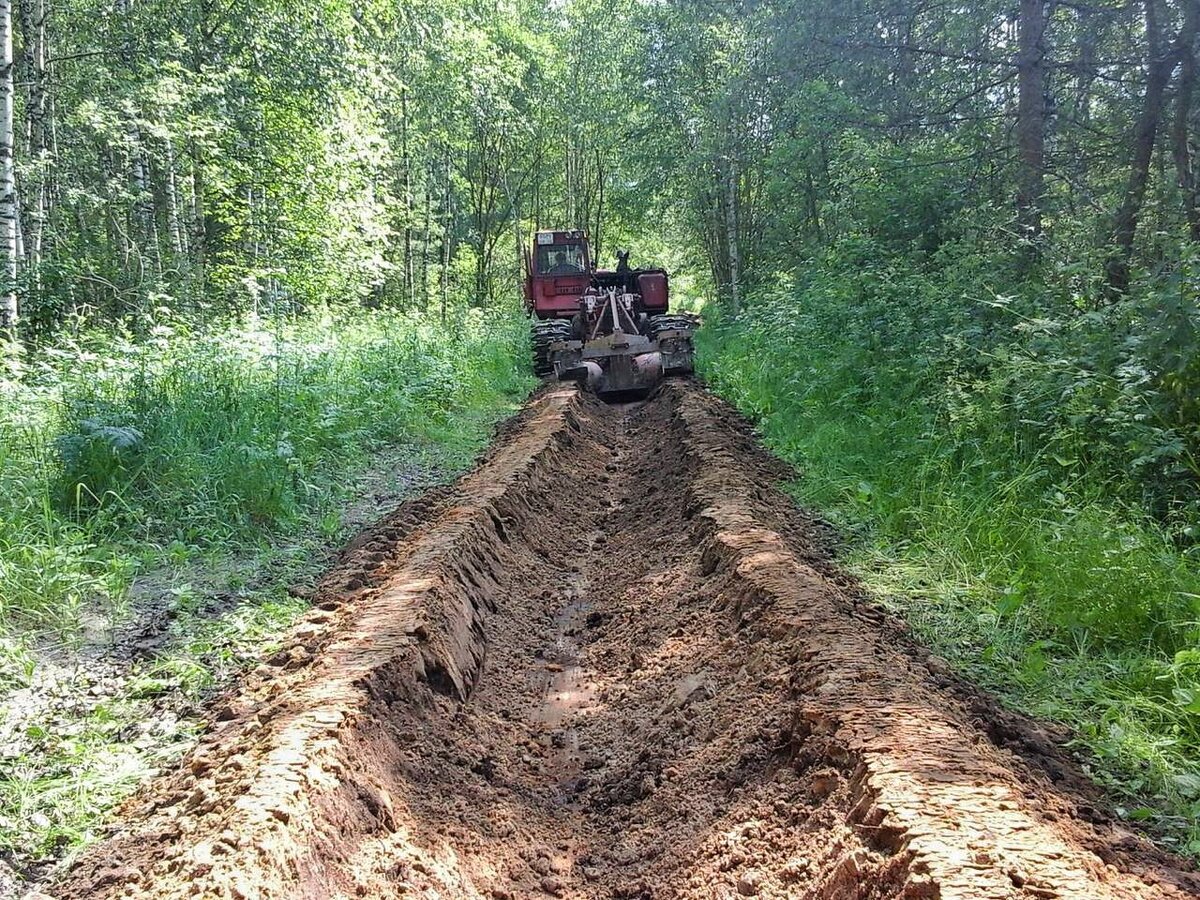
(613, 661)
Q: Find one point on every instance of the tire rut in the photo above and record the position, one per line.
(613, 661)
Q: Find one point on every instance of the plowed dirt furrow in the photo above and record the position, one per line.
(613, 662)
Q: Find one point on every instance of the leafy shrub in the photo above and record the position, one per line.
(97, 462)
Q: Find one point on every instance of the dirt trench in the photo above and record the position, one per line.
(613, 661)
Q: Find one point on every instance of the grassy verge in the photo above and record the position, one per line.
(1035, 580)
(158, 497)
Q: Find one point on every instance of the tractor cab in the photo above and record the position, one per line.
(557, 273)
(565, 258)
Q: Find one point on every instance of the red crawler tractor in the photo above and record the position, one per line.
(610, 329)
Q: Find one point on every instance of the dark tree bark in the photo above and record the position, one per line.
(1031, 118)
(406, 163)
(426, 233)
(447, 212)
(1161, 61)
(1180, 131)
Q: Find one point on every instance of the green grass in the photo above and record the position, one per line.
(1047, 587)
(184, 441)
(200, 474)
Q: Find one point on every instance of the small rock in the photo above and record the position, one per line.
(693, 689)
(505, 829)
(623, 854)
(747, 883)
(554, 885)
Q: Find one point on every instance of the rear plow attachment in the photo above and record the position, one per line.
(617, 357)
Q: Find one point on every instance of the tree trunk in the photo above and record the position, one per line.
(516, 217)
(171, 187)
(1160, 63)
(426, 231)
(812, 209)
(199, 225)
(406, 162)
(537, 190)
(1180, 132)
(1031, 119)
(479, 188)
(599, 205)
(569, 185)
(33, 26)
(141, 216)
(731, 240)
(8, 181)
(447, 216)
(713, 198)
(196, 212)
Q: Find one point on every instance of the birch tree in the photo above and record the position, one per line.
(8, 180)
(34, 197)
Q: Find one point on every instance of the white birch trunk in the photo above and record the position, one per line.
(34, 197)
(174, 231)
(140, 182)
(139, 178)
(8, 180)
(37, 119)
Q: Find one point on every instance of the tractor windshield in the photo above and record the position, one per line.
(561, 259)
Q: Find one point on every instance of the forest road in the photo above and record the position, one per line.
(613, 661)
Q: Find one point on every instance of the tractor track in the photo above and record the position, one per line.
(613, 661)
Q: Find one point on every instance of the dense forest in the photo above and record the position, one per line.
(946, 255)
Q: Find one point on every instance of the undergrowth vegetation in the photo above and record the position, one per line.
(1017, 483)
(182, 441)
(159, 495)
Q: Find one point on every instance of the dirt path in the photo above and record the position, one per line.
(613, 661)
